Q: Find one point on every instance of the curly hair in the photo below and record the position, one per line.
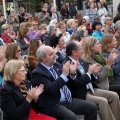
(33, 47)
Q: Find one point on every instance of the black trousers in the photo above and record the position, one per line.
(68, 110)
(115, 87)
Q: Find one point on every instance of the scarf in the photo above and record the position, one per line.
(100, 59)
(44, 12)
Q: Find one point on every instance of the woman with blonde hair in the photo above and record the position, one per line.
(7, 35)
(109, 44)
(92, 54)
(16, 98)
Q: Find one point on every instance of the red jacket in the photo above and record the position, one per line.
(6, 38)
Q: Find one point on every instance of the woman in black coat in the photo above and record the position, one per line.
(16, 101)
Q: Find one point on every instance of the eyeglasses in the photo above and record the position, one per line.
(35, 24)
(5, 28)
(25, 70)
(63, 27)
(83, 22)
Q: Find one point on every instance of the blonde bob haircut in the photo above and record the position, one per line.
(88, 53)
(11, 68)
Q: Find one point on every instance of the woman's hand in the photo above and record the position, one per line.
(33, 93)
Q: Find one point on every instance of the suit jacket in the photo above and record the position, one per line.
(14, 105)
(49, 99)
(78, 86)
(72, 10)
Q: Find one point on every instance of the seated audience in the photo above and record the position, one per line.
(82, 87)
(54, 77)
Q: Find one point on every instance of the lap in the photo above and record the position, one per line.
(101, 95)
(77, 106)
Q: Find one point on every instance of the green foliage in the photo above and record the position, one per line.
(31, 5)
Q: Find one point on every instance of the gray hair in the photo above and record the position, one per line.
(78, 34)
(117, 25)
(50, 28)
(40, 53)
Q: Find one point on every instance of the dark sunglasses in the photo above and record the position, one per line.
(35, 24)
(5, 28)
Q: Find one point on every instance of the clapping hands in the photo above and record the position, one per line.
(33, 93)
(113, 55)
(94, 68)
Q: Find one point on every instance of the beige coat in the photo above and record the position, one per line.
(102, 82)
(43, 19)
(13, 21)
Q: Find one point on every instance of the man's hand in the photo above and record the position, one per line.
(66, 68)
(73, 67)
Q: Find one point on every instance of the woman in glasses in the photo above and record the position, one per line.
(13, 51)
(16, 98)
(7, 35)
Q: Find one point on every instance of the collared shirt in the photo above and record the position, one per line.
(63, 98)
(74, 61)
(66, 37)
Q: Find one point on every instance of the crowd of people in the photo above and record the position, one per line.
(63, 67)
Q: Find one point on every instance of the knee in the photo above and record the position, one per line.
(114, 95)
(91, 109)
(72, 117)
(103, 101)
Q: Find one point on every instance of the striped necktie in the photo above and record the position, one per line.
(65, 89)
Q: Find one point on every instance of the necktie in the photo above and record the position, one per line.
(89, 85)
(65, 89)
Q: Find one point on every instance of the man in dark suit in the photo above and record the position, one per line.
(71, 9)
(56, 99)
(82, 87)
